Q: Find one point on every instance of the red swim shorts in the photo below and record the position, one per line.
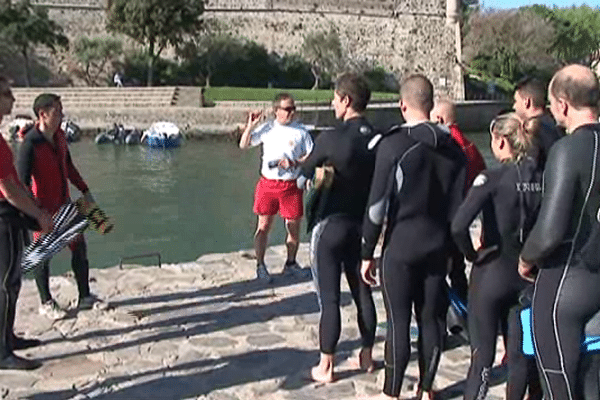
(272, 196)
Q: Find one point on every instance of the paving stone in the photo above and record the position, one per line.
(201, 330)
(212, 341)
(264, 340)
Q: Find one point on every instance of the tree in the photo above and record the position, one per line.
(94, 54)
(24, 26)
(155, 24)
(577, 33)
(324, 52)
(504, 45)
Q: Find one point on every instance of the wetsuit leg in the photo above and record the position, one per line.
(10, 276)
(398, 283)
(431, 304)
(361, 292)
(42, 280)
(456, 273)
(484, 310)
(522, 371)
(327, 270)
(563, 301)
(80, 265)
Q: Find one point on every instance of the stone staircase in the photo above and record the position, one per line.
(75, 98)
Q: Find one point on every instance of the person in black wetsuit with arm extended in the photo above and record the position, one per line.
(530, 102)
(567, 287)
(335, 242)
(509, 198)
(418, 184)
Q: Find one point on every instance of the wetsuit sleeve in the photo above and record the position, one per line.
(457, 193)
(317, 157)
(557, 205)
(25, 160)
(379, 196)
(6, 165)
(479, 193)
(74, 175)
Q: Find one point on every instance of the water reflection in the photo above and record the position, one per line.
(157, 172)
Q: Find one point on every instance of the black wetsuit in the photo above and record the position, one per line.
(335, 241)
(418, 183)
(508, 198)
(567, 288)
(547, 135)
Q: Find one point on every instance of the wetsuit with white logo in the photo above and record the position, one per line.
(508, 198)
(567, 289)
(418, 183)
(335, 241)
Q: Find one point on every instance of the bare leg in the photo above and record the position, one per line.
(292, 240)
(261, 236)
(324, 371)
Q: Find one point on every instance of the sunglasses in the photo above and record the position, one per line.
(288, 109)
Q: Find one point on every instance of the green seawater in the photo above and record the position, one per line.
(182, 202)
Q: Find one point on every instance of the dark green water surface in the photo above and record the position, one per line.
(182, 202)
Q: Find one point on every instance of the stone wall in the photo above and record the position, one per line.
(405, 36)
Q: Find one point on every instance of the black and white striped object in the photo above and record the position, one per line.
(67, 223)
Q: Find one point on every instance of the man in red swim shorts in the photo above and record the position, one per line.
(285, 143)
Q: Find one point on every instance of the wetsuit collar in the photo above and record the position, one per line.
(414, 123)
(592, 125)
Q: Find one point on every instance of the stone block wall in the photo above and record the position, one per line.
(405, 36)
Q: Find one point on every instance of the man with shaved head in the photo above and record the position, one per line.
(530, 102)
(564, 243)
(418, 184)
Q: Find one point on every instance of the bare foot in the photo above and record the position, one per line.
(322, 375)
(364, 361)
(428, 395)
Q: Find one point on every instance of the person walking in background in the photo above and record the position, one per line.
(14, 197)
(44, 164)
(335, 241)
(418, 184)
(530, 102)
(285, 143)
(444, 113)
(563, 244)
(508, 197)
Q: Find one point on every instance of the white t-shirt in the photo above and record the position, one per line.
(291, 141)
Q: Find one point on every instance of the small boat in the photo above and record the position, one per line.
(162, 135)
(72, 130)
(119, 135)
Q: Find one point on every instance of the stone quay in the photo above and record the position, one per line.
(205, 330)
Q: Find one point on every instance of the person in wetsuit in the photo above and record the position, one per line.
(45, 165)
(335, 241)
(14, 198)
(444, 113)
(530, 102)
(564, 238)
(509, 199)
(418, 184)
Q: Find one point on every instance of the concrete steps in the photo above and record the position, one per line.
(112, 97)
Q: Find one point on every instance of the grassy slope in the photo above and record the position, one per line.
(263, 94)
